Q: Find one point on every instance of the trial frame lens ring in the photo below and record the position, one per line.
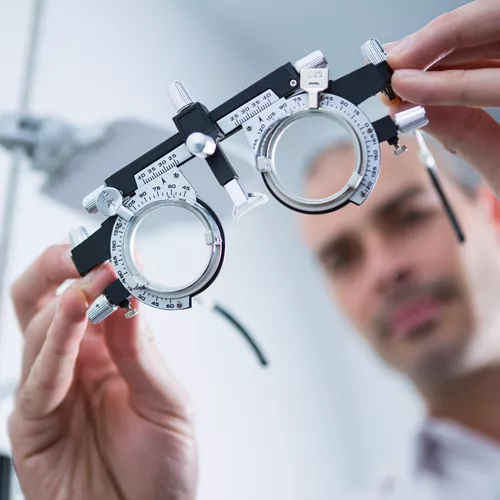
(268, 148)
(216, 241)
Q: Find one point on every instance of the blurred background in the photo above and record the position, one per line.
(325, 419)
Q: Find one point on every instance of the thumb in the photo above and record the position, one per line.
(470, 133)
(155, 393)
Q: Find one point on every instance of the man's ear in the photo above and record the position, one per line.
(491, 203)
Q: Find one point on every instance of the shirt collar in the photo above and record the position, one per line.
(442, 440)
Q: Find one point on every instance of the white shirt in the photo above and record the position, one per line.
(446, 462)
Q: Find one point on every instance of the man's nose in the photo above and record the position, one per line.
(388, 265)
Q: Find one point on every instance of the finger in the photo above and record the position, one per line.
(476, 23)
(470, 133)
(469, 54)
(449, 88)
(40, 281)
(154, 390)
(35, 336)
(477, 64)
(51, 373)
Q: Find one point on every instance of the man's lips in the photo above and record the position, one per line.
(413, 315)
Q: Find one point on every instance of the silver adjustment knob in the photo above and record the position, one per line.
(180, 96)
(373, 51)
(201, 145)
(90, 201)
(100, 309)
(315, 59)
(109, 201)
(77, 236)
(411, 119)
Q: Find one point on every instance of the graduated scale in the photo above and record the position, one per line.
(267, 112)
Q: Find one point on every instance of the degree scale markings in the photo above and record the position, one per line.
(226, 124)
(162, 166)
(247, 111)
(258, 127)
(165, 183)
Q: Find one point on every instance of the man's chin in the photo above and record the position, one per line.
(427, 354)
(437, 363)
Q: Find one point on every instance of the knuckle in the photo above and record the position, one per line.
(48, 256)
(462, 77)
(25, 401)
(444, 21)
(189, 410)
(448, 23)
(13, 425)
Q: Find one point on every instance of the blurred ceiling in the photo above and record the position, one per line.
(269, 33)
(276, 31)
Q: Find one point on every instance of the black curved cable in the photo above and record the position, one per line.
(230, 317)
(217, 308)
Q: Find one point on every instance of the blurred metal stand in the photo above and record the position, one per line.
(10, 202)
(15, 171)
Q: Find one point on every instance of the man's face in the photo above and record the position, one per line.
(396, 267)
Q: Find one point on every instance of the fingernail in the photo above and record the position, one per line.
(390, 45)
(399, 47)
(90, 276)
(409, 73)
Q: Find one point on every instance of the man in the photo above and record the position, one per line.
(426, 304)
(97, 412)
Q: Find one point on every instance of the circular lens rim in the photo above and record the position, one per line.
(267, 149)
(212, 268)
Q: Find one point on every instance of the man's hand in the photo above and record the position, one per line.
(452, 67)
(98, 416)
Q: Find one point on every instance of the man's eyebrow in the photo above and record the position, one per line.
(397, 200)
(332, 245)
(380, 212)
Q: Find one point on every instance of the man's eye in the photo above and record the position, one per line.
(413, 217)
(337, 263)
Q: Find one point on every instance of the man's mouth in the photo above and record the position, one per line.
(413, 316)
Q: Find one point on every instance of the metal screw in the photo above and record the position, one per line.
(179, 305)
(293, 83)
(249, 128)
(400, 149)
(131, 312)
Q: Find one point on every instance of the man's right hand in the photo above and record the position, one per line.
(98, 415)
(452, 67)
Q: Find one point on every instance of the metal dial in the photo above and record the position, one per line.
(167, 191)
(100, 309)
(265, 131)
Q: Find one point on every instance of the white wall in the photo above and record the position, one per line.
(315, 423)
